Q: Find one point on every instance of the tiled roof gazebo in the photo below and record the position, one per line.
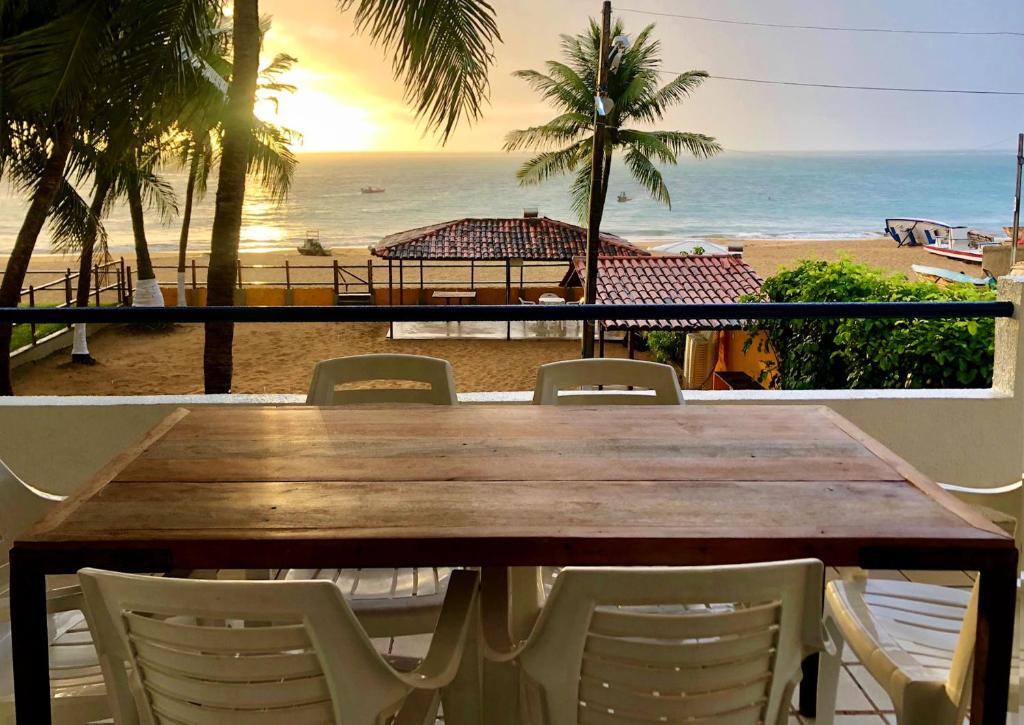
(525, 238)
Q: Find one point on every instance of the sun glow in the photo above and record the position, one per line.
(326, 122)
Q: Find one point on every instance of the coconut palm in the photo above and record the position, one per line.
(67, 67)
(442, 51)
(271, 159)
(565, 142)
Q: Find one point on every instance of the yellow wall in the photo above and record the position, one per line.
(732, 358)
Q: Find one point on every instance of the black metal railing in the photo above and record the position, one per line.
(507, 313)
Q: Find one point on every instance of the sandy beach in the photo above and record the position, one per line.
(279, 358)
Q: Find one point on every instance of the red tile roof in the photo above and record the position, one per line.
(535, 239)
(670, 279)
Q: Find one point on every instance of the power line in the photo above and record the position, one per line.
(887, 89)
(833, 28)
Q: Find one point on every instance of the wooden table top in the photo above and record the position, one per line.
(511, 484)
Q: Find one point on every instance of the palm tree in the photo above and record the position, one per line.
(442, 51)
(565, 142)
(271, 159)
(67, 67)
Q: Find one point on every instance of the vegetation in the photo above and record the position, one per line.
(442, 51)
(831, 354)
(565, 142)
(667, 347)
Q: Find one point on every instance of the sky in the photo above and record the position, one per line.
(347, 99)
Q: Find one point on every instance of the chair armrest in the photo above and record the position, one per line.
(65, 599)
(458, 615)
(981, 491)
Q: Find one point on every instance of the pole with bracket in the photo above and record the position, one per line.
(1014, 240)
(596, 158)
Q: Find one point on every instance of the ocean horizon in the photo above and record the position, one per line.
(739, 195)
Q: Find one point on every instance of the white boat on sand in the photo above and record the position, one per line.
(945, 240)
(940, 275)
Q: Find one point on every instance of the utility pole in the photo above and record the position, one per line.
(1016, 201)
(596, 163)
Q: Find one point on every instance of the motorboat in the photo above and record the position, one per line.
(372, 190)
(312, 247)
(944, 240)
(622, 198)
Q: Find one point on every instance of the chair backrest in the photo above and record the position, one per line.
(658, 384)
(211, 652)
(433, 371)
(716, 644)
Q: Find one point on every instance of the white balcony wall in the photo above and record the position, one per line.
(969, 437)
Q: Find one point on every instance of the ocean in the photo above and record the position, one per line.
(741, 195)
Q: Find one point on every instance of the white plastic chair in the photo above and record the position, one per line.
(917, 640)
(558, 383)
(702, 644)
(389, 602)
(213, 652)
(328, 374)
(78, 694)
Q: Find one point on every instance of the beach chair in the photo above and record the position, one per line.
(574, 382)
(434, 372)
(76, 683)
(917, 640)
(206, 652)
(632, 645)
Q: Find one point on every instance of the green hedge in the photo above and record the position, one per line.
(836, 354)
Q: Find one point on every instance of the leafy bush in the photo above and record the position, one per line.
(849, 353)
(667, 347)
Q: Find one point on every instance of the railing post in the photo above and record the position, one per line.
(238, 268)
(96, 282)
(287, 276)
(128, 278)
(334, 284)
(122, 287)
(32, 303)
(194, 298)
(369, 278)
(67, 287)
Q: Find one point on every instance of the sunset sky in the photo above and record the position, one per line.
(348, 101)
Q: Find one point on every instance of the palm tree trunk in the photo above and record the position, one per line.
(17, 264)
(186, 221)
(147, 291)
(606, 172)
(227, 220)
(80, 350)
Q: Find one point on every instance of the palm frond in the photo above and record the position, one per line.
(442, 52)
(579, 193)
(696, 144)
(559, 131)
(271, 159)
(648, 176)
(649, 144)
(545, 165)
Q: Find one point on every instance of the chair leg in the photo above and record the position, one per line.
(829, 664)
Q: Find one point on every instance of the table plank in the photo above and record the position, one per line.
(509, 509)
(480, 443)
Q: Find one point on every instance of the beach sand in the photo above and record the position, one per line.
(279, 358)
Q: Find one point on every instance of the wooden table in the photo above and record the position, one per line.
(461, 297)
(498, 486)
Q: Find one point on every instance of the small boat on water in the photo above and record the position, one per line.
(945, 240)
(940, 275)
(622, 198)
(372, 190)
(312, 246)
